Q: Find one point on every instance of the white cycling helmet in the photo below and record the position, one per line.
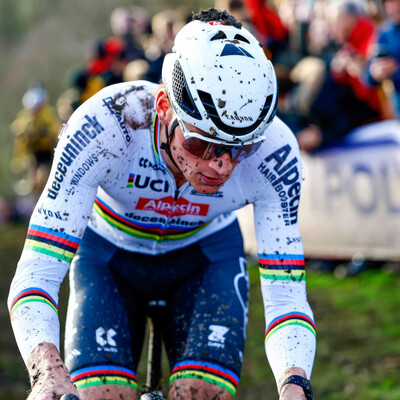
(219, 80)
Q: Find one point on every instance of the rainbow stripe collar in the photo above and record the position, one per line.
(156, 140)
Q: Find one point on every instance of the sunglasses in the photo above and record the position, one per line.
(207, 150)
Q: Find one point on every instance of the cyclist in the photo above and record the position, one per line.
(155, 173)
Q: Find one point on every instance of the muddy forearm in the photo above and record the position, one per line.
(48, 373)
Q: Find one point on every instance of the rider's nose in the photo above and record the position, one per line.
(223, 164)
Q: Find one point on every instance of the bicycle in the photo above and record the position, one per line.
(152, 388)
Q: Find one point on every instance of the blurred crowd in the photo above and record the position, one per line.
(135, 51)
(337, 62)
(337, 65)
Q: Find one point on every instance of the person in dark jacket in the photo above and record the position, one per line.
(385, 63)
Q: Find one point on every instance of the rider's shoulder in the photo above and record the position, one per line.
(133, 98)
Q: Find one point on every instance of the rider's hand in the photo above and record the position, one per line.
(48, 374)
(383, 68)
(291, 391)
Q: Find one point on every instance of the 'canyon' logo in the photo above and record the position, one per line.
(166, 206)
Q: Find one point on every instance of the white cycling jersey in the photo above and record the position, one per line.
(108, 172)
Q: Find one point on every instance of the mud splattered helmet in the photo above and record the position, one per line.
(219, 80)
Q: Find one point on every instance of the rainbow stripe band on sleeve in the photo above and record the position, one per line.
(104, 375)
(294, 318)
(208, 372)
(52, 243)
(32, 294)
(282, 267)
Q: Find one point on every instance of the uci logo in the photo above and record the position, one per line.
(142, 182)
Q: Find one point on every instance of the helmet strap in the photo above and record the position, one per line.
(166, 145)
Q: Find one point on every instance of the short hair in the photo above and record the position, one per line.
(213, 14)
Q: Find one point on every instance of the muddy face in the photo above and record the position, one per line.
(206, 176)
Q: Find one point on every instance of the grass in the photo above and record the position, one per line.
(358, 320)
(358, 325)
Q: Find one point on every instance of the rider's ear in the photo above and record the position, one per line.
(163, 106)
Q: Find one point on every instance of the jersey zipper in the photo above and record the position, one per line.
(177, 193)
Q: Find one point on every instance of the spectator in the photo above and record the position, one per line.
(344, 102)
(110, 56)
(355, 32)
(130, 25)
(164, 26)
(105, 67)
(384, 65)
(270, 30)
(35, 131)
(298, 88)
(319, 39)
(136, 70)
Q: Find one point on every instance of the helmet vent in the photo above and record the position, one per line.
(232, 50)
(241, 38)
(181, 92)
(209, 106)
(219, 35)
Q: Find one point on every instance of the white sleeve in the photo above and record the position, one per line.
(290, 338)
(87, 149)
